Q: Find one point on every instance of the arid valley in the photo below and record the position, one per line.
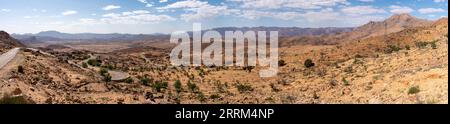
(400, 60)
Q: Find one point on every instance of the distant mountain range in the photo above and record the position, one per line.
(288, 31)
(289, 35)
(57, 37)
(393, 24)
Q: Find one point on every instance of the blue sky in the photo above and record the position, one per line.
(165, 16)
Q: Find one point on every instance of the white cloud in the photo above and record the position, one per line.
(136, 12)
(5, 10)
(430, 10)
(367, 0)
(253, 14)
(143, 1)
(300, 4)
(30, 17)
(362, 10)
(134, 17)
(111, 7)
(88, 21)
(40, 10)
(163, 1)
(185, 4)
(204, 12)
(311, 16)
(327, 17)
(198, 10)
(400, 9)
(147, 4)
(69, 12)
(438, 1)
(323, 15)
(331, 18)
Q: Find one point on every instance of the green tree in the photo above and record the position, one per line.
(178, 86)
(146, 81)
(94, 62)
(193, 87)
(242, 88)
(129, 80)
(107, 77)
(103, 71)
(309, 63)
(84, 64)
(413, 90)
(433, 45)
(160, 85)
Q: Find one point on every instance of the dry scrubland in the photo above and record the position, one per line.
(408, 65)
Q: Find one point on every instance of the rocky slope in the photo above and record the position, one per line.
(393, 24)
(7, 42)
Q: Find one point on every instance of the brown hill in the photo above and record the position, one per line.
(393, 24)
(409, 66)
(7, 42)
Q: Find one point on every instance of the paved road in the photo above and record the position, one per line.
(8, 56)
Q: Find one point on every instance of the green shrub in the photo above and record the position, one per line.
(84, 65)
(281, 63)
(192, 87)
(214, 96)
(201, 97)
(146, 81)
(348, 69)
(107, 77)
(346, 83)
(94, 62)
(414, 90)
(178, 86)
(129, 80)
(7, 99)
(103, 71)
(392, 48)
(242, 88)
(359, 56)
(421, 45)
(407, 47)
(160, 85)
(309, 63)
(109, 66)
(20, 69)
(433, 45)
(249, 68)
(201, 72)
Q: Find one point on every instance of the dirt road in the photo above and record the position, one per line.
(8, 56)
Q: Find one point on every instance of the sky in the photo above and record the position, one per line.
(166, 16)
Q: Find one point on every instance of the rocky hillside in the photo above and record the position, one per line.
(7, 42)
(409, 66)
(393, 24)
